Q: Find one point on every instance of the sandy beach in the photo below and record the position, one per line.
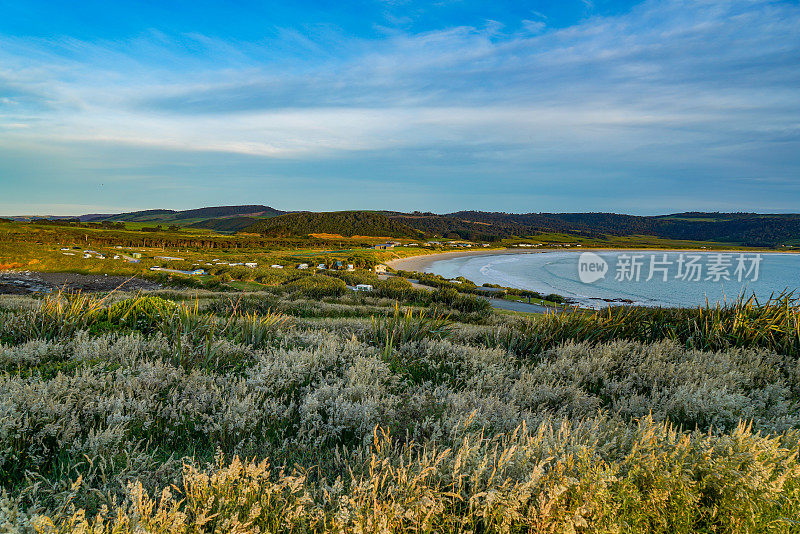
(421, 262)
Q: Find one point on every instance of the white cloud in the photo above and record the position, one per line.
(695, 80)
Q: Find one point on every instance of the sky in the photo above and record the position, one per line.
(520, 106)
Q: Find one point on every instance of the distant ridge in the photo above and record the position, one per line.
(736, 228)
(752, 229)
(229, 211)
(94, 217)
(188, 217)
(27, 218)
(134, 216)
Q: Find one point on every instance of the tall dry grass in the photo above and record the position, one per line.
(556, 478)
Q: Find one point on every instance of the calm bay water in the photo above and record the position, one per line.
(557, 272)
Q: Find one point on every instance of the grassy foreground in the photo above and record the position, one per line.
(203, 413)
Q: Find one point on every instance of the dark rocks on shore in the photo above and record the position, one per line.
(27, 282)
(622, 301)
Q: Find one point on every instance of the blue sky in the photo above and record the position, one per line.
(638, 107)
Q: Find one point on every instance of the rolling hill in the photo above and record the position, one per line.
(226, 224)
(228, 211)
(735, 228)
(345, 223)
(218, 218)
(175, 217)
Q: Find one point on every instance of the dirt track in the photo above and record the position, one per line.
(25, 282)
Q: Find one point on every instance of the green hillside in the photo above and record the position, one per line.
(228, 224)
(229, 211)
(752, 229)
(141, 216)
(194, 216)
(749, 229)
(345, 223)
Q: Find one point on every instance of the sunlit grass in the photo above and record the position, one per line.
(551, 479)
(774, 324)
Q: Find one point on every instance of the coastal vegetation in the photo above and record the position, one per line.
(200, 411)
(272, 397)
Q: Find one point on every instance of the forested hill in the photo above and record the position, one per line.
(345, 223)
(173, 216)
(229, 211)
(740, 228)
(225, 225)
(744, 228)
(135, 216)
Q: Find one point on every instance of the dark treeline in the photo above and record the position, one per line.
(228, 211)
(76, 222)
(225, 225)
(745, 228)
(345, 223)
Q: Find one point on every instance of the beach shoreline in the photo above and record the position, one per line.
(563, 286)
(420, 262)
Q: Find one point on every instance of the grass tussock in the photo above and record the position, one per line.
(59, 315)
(404, 326)
(774, 325)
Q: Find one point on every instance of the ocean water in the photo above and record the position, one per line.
(649, 278)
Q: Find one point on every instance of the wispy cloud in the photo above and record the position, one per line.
(704, 89)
